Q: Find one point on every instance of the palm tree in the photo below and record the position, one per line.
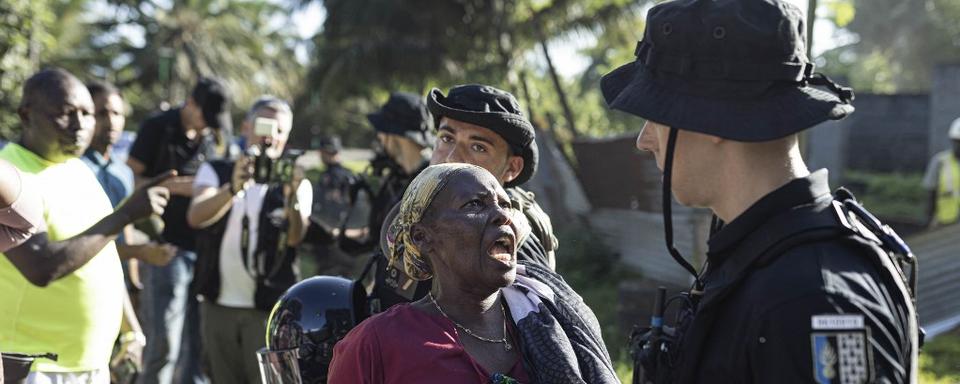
(247, 43)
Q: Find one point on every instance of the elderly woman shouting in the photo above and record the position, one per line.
(486, 319)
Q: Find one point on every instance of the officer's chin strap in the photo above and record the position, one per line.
(668, 214)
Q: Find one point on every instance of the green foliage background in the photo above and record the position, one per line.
(155, 49)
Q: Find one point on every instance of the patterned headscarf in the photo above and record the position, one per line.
(417, 198)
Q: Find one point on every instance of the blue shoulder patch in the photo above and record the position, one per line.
(841, 354)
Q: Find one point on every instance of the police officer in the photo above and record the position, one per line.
(403, 135)
(799, 286)
(332, 203)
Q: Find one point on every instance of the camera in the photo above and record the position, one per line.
(266, 169)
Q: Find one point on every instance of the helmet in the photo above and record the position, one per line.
(304, 325)
(954, 132)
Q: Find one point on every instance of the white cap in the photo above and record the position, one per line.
(955, 130)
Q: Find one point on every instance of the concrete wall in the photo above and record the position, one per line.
(888, 133)
(826, 148)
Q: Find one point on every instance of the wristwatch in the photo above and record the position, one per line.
(139, 337)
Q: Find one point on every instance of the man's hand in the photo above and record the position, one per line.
(148, 199)
(157, 254)
(180, 185)
(242, 174)
(129, 356)
(290, 189)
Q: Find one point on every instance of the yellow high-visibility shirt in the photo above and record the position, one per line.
(78, 316)
(948, 189)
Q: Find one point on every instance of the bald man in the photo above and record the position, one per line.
(63, 288)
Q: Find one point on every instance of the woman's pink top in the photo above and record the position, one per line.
(406, 345)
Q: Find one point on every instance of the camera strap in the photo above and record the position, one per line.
(252, 270)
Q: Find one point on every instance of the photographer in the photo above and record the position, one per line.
(252, 220)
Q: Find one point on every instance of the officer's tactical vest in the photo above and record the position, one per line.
(948, 189)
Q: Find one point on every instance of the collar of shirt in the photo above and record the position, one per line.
(794, 193)
(96, 158)
(26, 160)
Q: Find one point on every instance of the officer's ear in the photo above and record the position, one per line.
(514, 167)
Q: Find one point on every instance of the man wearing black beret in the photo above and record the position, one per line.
(483, 126)
(800, 285)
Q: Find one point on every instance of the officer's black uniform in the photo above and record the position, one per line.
(404, 114)
(332, 193)
(798, 287)
(388, 195)
(775, 309)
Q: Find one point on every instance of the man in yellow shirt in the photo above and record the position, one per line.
(63, 290)
(943, 181)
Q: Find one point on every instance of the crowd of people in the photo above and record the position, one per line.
(202, 226)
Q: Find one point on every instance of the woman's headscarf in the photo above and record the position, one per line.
(417, 198)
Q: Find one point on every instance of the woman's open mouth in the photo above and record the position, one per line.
(503, 248)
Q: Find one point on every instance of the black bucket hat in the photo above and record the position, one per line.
(213, 97)
(404, 114)
(736, 69)
(331, 144)
(494, 109)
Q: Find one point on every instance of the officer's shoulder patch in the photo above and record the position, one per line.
(840, 347)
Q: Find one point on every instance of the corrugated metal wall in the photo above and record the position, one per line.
(938, 282)
(638, 237)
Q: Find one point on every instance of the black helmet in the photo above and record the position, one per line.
(304, 325)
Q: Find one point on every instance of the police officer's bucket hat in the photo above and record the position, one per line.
(404, 114)
(494, 109)
(736, 69)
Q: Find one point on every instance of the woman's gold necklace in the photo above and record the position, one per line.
(504, 340)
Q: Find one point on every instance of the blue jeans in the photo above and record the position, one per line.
(171, 322)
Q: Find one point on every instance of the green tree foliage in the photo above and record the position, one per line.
(368, 48)
(28, 38)
(153, 50)
(898, 42)
(247, 43)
